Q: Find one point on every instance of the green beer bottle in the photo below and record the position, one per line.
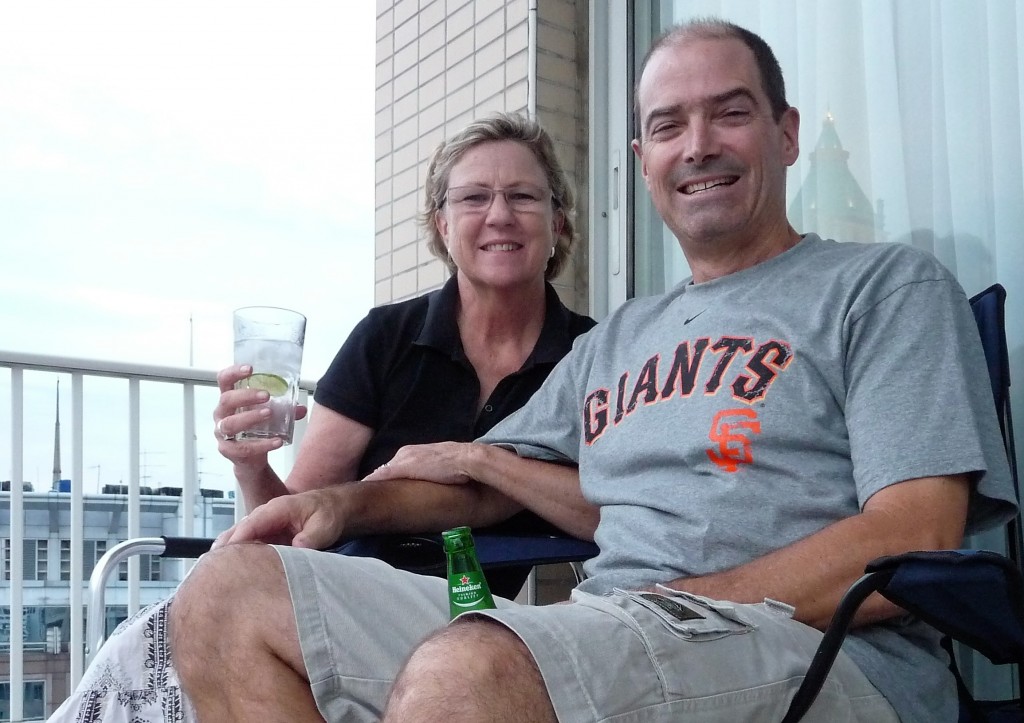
(467, 587)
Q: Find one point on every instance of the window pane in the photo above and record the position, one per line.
(35, 695)
(29, 560)
(65, 559)
(42, 552)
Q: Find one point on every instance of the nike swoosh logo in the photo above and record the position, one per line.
(687, 321)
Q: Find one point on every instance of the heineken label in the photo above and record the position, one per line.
(467, 589)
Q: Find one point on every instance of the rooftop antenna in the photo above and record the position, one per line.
(56, 443)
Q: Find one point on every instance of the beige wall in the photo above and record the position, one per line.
(441, 63)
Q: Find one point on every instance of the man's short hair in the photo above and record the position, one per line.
(717, 29)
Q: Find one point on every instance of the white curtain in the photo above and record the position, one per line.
(910, 132)
(925, 97)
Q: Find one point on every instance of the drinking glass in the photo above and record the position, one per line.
(270, 340)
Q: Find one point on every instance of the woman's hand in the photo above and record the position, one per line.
(443, 462)
(228, 421)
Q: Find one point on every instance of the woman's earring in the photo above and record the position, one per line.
(552, 252)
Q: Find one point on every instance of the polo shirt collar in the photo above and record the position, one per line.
(555, 340)
(441, 330)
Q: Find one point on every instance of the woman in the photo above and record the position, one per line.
(448, 365)
(445, 366)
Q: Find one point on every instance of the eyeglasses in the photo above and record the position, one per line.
(476, 199)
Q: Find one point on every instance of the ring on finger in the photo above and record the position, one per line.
(222, 434)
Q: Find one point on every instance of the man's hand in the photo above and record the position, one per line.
(311, 519)
(443, 463)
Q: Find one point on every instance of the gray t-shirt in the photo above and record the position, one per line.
(724, 420)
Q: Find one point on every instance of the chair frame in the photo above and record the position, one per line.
(495, 551)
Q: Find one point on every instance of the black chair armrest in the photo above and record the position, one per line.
(943, 588)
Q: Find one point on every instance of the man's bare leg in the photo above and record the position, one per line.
(234, 640)
(476, 667)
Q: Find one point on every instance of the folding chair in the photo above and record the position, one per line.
(509, 554)
(944, 587)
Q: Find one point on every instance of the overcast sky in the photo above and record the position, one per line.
(161, 161)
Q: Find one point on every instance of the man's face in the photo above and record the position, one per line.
(713, 157)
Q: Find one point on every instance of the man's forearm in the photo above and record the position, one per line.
(410, 506)
(550, 490)
(812, 574)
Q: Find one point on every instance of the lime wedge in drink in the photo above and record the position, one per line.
(274, 385)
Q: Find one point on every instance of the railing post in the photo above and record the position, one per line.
(82, 511)
(134, 477)
(76, 647)
(188, 491)
(17, 544)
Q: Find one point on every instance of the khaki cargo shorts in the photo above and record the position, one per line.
(618, 657)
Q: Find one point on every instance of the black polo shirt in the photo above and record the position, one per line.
(403, 372)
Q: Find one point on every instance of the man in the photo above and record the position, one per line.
(745, 444)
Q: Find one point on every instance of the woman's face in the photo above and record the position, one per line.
(496, 239)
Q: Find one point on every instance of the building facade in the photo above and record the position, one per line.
(47, 566)
(440, 65)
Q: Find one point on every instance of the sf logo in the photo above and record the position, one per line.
(732, 429)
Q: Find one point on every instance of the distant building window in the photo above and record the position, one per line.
(65, 560)
(35, 696)
(149, 569)
(38, 624)
(34, 559)
(92, 551)
(116, 614)
(38, 567)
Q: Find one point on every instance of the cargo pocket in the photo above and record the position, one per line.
(689, 616)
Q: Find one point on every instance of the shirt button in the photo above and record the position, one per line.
(488, 408)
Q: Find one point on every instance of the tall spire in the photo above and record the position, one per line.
(56, 442)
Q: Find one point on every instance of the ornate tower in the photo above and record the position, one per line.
(831, 202)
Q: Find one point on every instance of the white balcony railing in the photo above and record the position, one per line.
(66, 510)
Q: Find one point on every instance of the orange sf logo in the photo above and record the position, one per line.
(731, 429)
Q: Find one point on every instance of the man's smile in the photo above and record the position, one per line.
(691, 188)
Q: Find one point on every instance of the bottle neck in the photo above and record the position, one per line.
(464, 561)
